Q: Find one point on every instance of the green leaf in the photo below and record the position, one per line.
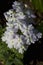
(38, 5)
(40, 27)
(18, 62)
(17, 54)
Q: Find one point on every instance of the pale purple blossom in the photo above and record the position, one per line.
(18, 19)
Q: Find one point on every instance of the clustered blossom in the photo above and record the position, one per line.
(20, 19)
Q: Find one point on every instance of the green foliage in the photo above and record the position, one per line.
(18, 62)
(1, 30)
(38, 5)
(40, 27)
(9, 56)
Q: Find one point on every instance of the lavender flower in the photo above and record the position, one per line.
(18, 19)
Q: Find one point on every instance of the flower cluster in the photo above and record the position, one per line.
(20, 32)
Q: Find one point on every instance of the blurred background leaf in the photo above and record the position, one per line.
(40, 27)
(38, 5)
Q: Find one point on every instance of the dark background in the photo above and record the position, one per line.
(5, 5)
